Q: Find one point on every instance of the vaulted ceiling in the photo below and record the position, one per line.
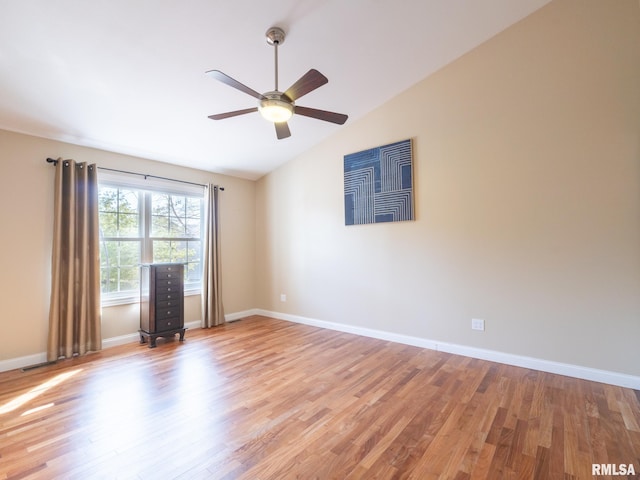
(129, 75)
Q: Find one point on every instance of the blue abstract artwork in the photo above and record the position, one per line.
(378, 184)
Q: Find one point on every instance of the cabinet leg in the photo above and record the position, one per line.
(152, 342)
(182, 335)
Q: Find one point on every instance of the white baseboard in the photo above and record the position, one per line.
(232, 317)
(576, 371)
(21, 362)
(38, 358)
(121, 340)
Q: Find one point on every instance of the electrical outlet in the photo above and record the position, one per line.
(283, 297)
(477, 324)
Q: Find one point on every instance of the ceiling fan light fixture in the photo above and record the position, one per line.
(275, 110)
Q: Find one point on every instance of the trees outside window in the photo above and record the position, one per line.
(176, 231)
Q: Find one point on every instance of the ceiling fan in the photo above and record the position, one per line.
(277, 106)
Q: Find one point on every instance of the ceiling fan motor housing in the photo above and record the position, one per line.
(275, 107)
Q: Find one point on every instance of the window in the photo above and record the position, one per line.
(121, 240)
(142, 225)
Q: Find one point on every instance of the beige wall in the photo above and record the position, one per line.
(26, 186)
(527, 191)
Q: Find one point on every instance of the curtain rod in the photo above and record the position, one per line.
(145, 175)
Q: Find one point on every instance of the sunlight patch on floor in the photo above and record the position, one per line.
(36, 391)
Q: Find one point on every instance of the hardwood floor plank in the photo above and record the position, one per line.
(268, 399)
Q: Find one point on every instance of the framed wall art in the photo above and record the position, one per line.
(378, 184)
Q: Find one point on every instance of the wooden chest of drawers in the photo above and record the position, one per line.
(161, 301)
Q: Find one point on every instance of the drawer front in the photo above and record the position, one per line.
(168, 324)
(169, 303)
(163, 285)
(168, 296)
(168, 312)
(168, 290)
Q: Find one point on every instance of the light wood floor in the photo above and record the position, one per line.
(267, 399)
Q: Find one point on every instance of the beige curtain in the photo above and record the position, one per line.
(212, 309)
(74, 312)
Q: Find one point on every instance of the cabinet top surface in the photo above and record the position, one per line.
(161, 264)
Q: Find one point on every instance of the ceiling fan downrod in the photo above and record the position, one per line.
(275, 37)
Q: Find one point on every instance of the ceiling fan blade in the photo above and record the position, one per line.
(307, 83)
(282, 130)
(332, 117)
(226, 79)
(221, 116)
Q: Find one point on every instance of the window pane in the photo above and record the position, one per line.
(129, 254)
(159, 226)
(108, 199)
(119, 212)
(161, 251)
(119, 266)
(176, 226)
(160, 204)
(128, 201)
(175, 216)
(193, 207)
(169, 251)
(129, 225)
(193, 227)
(160, 215)
(194, 261)
(108, 223)
(178, 206)
(194, 252)
(193, 273)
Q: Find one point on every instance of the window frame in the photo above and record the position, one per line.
(147, 186)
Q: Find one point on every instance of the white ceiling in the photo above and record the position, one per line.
(128, 75)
